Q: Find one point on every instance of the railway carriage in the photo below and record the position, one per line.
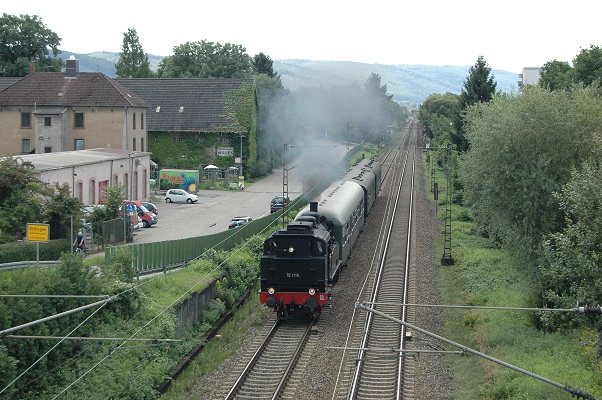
(300, 264)
(367, 174)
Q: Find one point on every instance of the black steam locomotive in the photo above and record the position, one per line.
(301, 263)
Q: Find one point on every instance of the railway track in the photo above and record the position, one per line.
(266, 374)
(374, 364)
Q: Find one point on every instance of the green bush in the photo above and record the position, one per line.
(26, 251)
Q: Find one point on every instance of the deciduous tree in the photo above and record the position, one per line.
(206, 60)
(25, 39)
(522, 149)
(22, 198)
(556, 75)
(587, 66)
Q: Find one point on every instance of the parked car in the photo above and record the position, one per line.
(148, 218)
(239, 221)
(180, 196)
(278, 203)
(151, 207)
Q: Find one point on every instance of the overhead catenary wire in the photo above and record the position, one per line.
(205, 278)
(574, 391)
(581, 310)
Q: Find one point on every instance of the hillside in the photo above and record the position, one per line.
(409, 84)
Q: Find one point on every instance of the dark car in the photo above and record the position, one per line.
(278, 203)
(151, 207)
(238, 221)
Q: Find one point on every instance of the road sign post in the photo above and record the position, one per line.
(38, 233)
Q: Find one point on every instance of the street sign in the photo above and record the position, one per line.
(38, 232)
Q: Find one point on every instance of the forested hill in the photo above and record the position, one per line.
(409, 84)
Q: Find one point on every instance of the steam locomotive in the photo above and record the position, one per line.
(301, 263)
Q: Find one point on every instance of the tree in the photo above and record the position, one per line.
(61, 207)
(479, 87)
(522, 149)
(22, 198)
(263, 64)
(438, 107)
(25, 39)
(133, 62)
(587, 66)
(556, 75)
(374, 88)
(573, 263)
(206, 60)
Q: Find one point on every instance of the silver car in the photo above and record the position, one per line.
(180, 196)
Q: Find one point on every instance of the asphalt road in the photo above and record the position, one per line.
(215, 208)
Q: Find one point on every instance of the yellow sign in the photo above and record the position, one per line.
(38, 232)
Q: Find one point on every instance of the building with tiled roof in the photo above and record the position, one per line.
(194, 122)
(46, 112)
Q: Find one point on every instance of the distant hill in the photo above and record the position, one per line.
(409, 84)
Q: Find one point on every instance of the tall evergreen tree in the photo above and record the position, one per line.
(479, 87)
(263, 64)
(133, 62)
(374, 88)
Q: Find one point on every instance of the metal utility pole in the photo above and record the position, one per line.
(447, 258)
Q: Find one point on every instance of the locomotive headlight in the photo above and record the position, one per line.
(312, 292)
(271, 290)
(291, 249)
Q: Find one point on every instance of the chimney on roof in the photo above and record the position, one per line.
(32, 67)
(72, 67)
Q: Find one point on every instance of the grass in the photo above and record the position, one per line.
(193, 380)
(484, 276)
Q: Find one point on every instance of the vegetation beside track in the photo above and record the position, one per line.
(485, 276)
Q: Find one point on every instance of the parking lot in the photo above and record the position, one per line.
(215, 208)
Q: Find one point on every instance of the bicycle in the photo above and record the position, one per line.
(80, 252)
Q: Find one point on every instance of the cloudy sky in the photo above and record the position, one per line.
(509, 34)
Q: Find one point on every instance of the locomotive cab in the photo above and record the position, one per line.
(295, 268)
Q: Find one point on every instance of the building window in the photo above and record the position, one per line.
(134, 121)
(141, 120)
(135, 185)
(79, 120)
(134, 144)
(26, 146)
(92, 191)
(79, 188)
(47, 121)
(176, 137)
(200, 138)
(141, 144)
(25, 120)
(126, 183)
(47, 149)
(115, 180)
(225, 140)
(79, 144)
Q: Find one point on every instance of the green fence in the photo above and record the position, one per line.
(159, 256)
